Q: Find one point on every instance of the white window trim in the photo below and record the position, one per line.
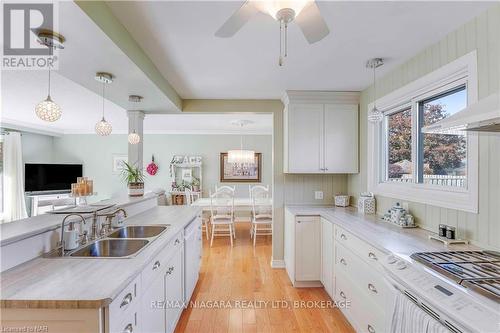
(462, 70)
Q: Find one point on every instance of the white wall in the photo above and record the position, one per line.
(37, 148)
(481, 34)
(96, 154)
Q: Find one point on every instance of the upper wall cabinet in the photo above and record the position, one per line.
(321, 132)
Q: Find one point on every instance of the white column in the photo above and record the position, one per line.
(135, 152)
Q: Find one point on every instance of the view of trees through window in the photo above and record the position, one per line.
(441, 159)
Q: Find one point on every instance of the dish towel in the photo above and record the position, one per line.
(407, 317)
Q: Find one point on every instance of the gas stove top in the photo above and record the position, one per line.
(476, 270)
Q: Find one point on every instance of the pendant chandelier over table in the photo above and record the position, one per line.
(241, 156)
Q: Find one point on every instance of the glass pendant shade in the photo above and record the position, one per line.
(103, 128)
(240, 156)
(48, 110)
(134, 138)
(375, 115)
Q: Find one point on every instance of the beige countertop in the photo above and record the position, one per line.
(28, 227)
(87, 282)
(382, 235)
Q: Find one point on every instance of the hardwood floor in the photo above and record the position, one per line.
(243, 273)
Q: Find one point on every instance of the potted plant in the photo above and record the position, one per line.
(134, 178)
(196, 184)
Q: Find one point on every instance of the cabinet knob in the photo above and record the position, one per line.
(156, 265)
(177, 241)
(372, 255)
(126, 300)
(170, 270)
(372, 288)
(371, 329)
(343, 262)
(344, 237)
(128, 329)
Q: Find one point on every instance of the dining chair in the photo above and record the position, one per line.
(225, 189)
(190, 199)
(222, 215)
(262, 214)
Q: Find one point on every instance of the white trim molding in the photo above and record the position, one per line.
(458, 72)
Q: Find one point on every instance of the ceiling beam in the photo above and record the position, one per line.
(100, 13)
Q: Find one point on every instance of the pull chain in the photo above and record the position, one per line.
(280, 62)
(286, 39)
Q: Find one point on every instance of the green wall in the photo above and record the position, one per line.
(96, 154)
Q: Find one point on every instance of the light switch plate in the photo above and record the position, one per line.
(318, 195)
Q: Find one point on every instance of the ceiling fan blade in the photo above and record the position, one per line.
(311, 23)
(237, 20)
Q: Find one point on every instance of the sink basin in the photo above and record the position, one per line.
(138, 231)
(111, 248)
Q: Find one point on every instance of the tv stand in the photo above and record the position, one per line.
(45, 201)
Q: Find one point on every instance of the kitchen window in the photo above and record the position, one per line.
(436, 169)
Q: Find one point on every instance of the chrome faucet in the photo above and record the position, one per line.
(96, 233)
(62, 230)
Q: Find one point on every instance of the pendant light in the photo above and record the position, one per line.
(134, 138)
(375, 115)
(241, 156)
(48, 110)
(103, 128)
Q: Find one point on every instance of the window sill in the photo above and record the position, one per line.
(446, 197)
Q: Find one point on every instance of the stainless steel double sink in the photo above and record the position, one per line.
(121, 243)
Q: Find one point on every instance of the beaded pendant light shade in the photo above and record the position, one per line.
(103, 128)
(375, 115)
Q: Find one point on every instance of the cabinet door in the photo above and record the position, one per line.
(327, 261)
(341, 138)
(152, 314)
(305, 138)
(174, 291)
(307, 249)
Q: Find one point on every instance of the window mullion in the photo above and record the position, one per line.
(415, 140)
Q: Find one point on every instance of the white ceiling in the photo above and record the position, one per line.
(22, 90)
(179, 38)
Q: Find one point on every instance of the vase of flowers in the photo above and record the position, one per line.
(134, 178)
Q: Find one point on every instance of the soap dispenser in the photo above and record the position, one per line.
(71, 236)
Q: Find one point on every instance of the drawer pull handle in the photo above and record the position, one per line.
(344, 237)
(126, 300)
(170, 270)
(343, 262)
(156, 265)
(372, 288)
(372, 255)
(342, 295)
(128, 329)
(371, 329)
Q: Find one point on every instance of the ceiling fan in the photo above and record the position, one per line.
(303, 12)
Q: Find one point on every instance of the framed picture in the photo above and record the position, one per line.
(118, 160)
(240, 173)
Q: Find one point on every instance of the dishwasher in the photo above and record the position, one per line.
(192, 253)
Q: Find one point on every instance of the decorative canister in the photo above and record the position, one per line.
(366, 203)
(341, 200)
(397, 212)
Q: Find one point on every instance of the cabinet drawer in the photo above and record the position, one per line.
(158, 264)
(126, 300)
(362, 313)
(127, 323)
(360, 247)
(367, 279)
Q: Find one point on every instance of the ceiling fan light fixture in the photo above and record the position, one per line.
(274, 7)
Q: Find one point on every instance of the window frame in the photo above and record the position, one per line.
(460, 72)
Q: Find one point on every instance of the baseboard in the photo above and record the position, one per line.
(277, 263)
(307, 284)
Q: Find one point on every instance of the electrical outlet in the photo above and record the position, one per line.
(318, 195)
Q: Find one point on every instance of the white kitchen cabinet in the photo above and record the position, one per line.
(341, 138)
(152, 314)
(303, 258)
(192, 255)
(174, 290)
(321, 132)
(304, 138)
(327, 257)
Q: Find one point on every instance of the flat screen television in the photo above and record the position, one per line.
(50, 177)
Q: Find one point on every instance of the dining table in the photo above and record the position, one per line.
(240, 204)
